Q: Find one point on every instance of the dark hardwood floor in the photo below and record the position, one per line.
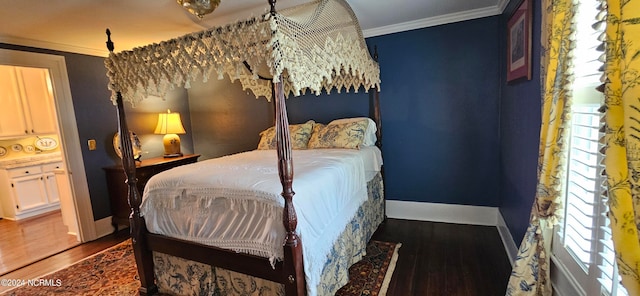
(437, 259)
(29, 240)
(446, 259)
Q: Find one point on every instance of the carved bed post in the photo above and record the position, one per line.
(137, 227)
(294, 282)
(374, 106)
(293, 268)
(272, 4)
(374, 111)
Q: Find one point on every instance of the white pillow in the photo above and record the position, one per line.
(370, 134)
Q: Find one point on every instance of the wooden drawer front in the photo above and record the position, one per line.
(118, 190)
(25, 171)
(143, 176)
(50, 167)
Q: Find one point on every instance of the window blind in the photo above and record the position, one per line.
(608, 273)
(582, 183)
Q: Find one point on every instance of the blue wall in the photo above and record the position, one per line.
(440, 110)
(519, 134)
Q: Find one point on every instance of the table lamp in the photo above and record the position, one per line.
(169, 125)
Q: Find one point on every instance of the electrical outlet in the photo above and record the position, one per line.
(92, 144)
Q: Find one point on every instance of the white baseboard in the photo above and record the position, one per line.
(36, 211)
(507, 240)
(437, 212)
(458, 214)
(103, 227)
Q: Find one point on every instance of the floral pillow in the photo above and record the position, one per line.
(343, 135)
(370, 137)
(300, 134)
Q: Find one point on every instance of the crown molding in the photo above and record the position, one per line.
(53, 46)
(502, 5)
(438, 20)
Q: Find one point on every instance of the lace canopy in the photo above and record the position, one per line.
(314, 46)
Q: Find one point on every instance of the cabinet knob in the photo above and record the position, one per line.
(33, 131)
(26, 131)
(26, 172)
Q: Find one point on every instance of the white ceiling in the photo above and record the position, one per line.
(79, 25)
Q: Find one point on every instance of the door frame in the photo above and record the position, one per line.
(68, 128)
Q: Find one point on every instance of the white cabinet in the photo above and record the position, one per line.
(51, 186)
(12, 121)
(27, 102)
(50, 183)
(30, 190)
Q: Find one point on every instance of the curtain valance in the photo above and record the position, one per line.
(314, 46)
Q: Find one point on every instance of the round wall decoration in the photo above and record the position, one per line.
(29, 149)
(46, 143)
(135, 145)
(16, 147)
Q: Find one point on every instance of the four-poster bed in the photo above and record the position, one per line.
(310, 47)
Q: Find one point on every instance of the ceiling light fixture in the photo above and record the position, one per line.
(199, 7)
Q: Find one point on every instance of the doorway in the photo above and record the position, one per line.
(32, 239)
(71, 176)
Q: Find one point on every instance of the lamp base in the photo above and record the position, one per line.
(171, 145)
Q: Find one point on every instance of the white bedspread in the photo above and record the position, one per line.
(234, 201)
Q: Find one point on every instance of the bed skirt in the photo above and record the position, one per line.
(177, 276)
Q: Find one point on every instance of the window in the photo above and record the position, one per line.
(582, 192)
(582, 244)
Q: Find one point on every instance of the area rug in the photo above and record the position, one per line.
(113, 272)
(371, 275)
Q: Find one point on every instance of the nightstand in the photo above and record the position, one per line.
(145, 169)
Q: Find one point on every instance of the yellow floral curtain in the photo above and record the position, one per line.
(530, 275)
(622, 136)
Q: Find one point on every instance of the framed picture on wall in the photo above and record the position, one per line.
(519, 42)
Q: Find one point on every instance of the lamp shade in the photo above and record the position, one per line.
(169, 123)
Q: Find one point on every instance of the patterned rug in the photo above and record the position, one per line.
(113, 272)
(371, 275)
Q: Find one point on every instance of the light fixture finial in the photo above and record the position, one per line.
(199, 8)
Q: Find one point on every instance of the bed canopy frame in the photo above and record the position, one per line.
(311, 47)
